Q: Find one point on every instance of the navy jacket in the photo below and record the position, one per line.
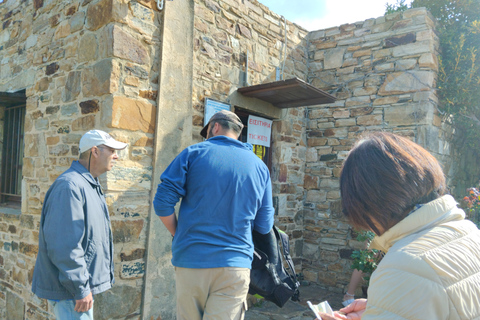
(75, 252)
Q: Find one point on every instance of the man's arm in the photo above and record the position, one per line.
(170, 222)
(170, 190)
(264, 217)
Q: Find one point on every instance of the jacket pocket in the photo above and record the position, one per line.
(90, 252)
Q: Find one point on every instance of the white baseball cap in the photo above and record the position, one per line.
(95, 138)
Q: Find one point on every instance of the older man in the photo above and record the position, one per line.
(75, 255)
(226, 192)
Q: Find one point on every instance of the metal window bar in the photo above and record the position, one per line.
(12, 155)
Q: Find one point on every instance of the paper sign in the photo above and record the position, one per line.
(259, 131)
(212, 107)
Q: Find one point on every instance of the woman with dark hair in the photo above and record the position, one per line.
(431, 270)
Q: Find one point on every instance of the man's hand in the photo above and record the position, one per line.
(353, 311)
(85, 304)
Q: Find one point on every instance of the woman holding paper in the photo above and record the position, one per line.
(431, 269)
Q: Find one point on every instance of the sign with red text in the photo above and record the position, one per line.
(259, 131)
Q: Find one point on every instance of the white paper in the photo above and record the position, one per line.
(259, 131)
(321, 307)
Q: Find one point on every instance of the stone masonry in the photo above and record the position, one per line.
(143, 75)
(84, 64)
(383, 73)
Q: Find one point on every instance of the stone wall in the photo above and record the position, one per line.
(84, 64)
(123, 67)
(383, 73)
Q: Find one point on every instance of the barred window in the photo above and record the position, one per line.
(12, 119)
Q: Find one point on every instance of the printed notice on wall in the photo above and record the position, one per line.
(259, 131)
(212, 107)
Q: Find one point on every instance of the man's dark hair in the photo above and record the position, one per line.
(227, 125)
(384, 177)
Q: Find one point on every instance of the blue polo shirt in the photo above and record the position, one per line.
(226, 192)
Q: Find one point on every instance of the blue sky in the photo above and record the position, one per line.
(322, 14)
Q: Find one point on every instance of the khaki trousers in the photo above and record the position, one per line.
(212, 294)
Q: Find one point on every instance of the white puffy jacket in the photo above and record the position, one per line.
(431, 269)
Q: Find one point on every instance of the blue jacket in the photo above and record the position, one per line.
(226, 192)
(75, 251)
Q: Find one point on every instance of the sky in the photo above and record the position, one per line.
(322, 14)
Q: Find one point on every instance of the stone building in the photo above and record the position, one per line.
(144, 75)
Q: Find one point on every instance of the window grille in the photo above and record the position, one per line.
(12, 154)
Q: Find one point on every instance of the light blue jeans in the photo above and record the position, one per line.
(65, 310)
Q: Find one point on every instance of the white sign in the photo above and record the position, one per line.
(212, 107)
(259, 131)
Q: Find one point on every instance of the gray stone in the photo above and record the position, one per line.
(120, 302)
(410, 81)
(96, 79)
(59, 150)
(334, 58)
(72, 86)
(87, 48)
(413, 49)
(69, 109)
(15, 307)
(41, 124)
(77, 22)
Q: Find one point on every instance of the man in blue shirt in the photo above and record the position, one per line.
(226, 193)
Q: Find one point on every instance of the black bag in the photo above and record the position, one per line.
(268, 277)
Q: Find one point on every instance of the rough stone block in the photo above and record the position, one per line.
(365, 91)
(89, 106)
(336, 132)
(405, 64)
(334, 58)
(370, 120)
(88, 48)
(15, 307)
(72, 86)
(310, 182)
(131, 114)
(98, 80)
(59, 150)
(99, 14)
(132, 255)
(69, 110)
(84, 123)
(122, 301)
(126, 231)
(127, 47)
(132, 270)
(385, 100)
(357, 101)
(413, 49)
(362, 53)
(404, 82)
(345, 123)
(428, 60)
(409, 114)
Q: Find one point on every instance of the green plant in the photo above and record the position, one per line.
(365, 260)
(400, 6)
(459, 66)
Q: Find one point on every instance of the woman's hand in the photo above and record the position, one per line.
(353, 311)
